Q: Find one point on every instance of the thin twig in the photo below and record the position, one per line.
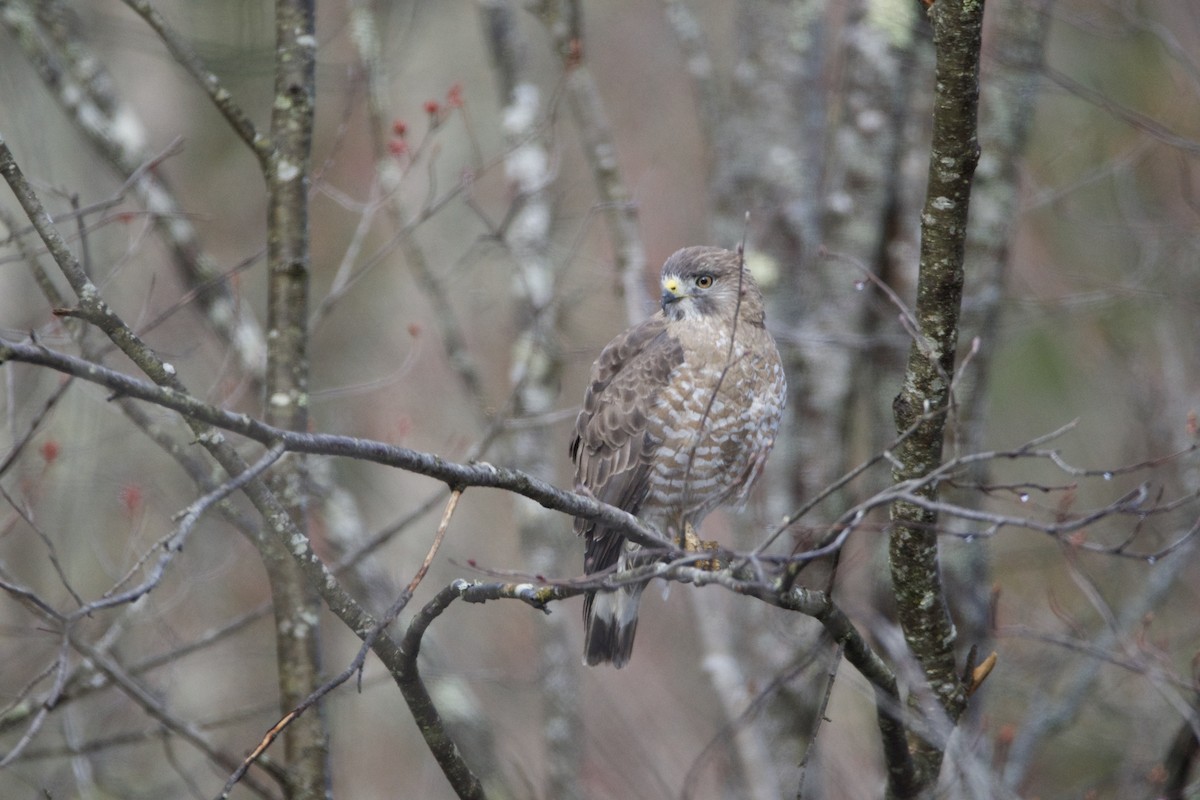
(818, 720)
(60, 679)
(171, 544)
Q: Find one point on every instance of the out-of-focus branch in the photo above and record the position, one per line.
(901, 769)
(154, 708)
(835, 662)
(139, 694)
(863, 190)
(356, 665)
(695, 48)
(60, 671)
(261, 146)
(564, 19)
(1056, 712)
(535, 375)
(916, 571)
(173, 543)
(1008, 96)
(290, 542)
(1137, 120)
(365, 36)
(76, 78)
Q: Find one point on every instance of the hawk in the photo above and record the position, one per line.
(679, 415)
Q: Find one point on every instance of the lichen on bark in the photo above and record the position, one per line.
(922, 407)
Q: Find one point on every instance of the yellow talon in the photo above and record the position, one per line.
(694, 544)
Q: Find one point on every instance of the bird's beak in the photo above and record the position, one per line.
(671, 291)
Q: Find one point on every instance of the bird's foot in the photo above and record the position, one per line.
(694, 544)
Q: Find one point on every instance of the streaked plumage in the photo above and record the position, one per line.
(673, 423)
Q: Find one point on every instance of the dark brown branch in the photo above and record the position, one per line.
(420, 703)
(916, 572)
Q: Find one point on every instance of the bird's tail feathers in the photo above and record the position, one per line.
(611, 624)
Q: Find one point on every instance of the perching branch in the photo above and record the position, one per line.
(451, 473)
(858, 652)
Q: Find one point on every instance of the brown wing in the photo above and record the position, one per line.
(614, 437)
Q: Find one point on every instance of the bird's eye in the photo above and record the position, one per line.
(704, 281)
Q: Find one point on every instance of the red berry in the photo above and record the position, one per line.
(454, 97)
(49, 451)
(432, 107)
(399, 128)
(131, 497)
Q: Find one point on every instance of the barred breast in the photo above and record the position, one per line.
(715, 421)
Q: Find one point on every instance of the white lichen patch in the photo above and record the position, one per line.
(211, 437)
(528, 167)
(298, 544)
(521, 114)
(286, 171)
(129, 132)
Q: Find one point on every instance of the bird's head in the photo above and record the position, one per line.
(704, 281)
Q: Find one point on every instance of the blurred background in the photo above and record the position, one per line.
(494, 188)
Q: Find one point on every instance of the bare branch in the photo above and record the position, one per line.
(477, 474)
